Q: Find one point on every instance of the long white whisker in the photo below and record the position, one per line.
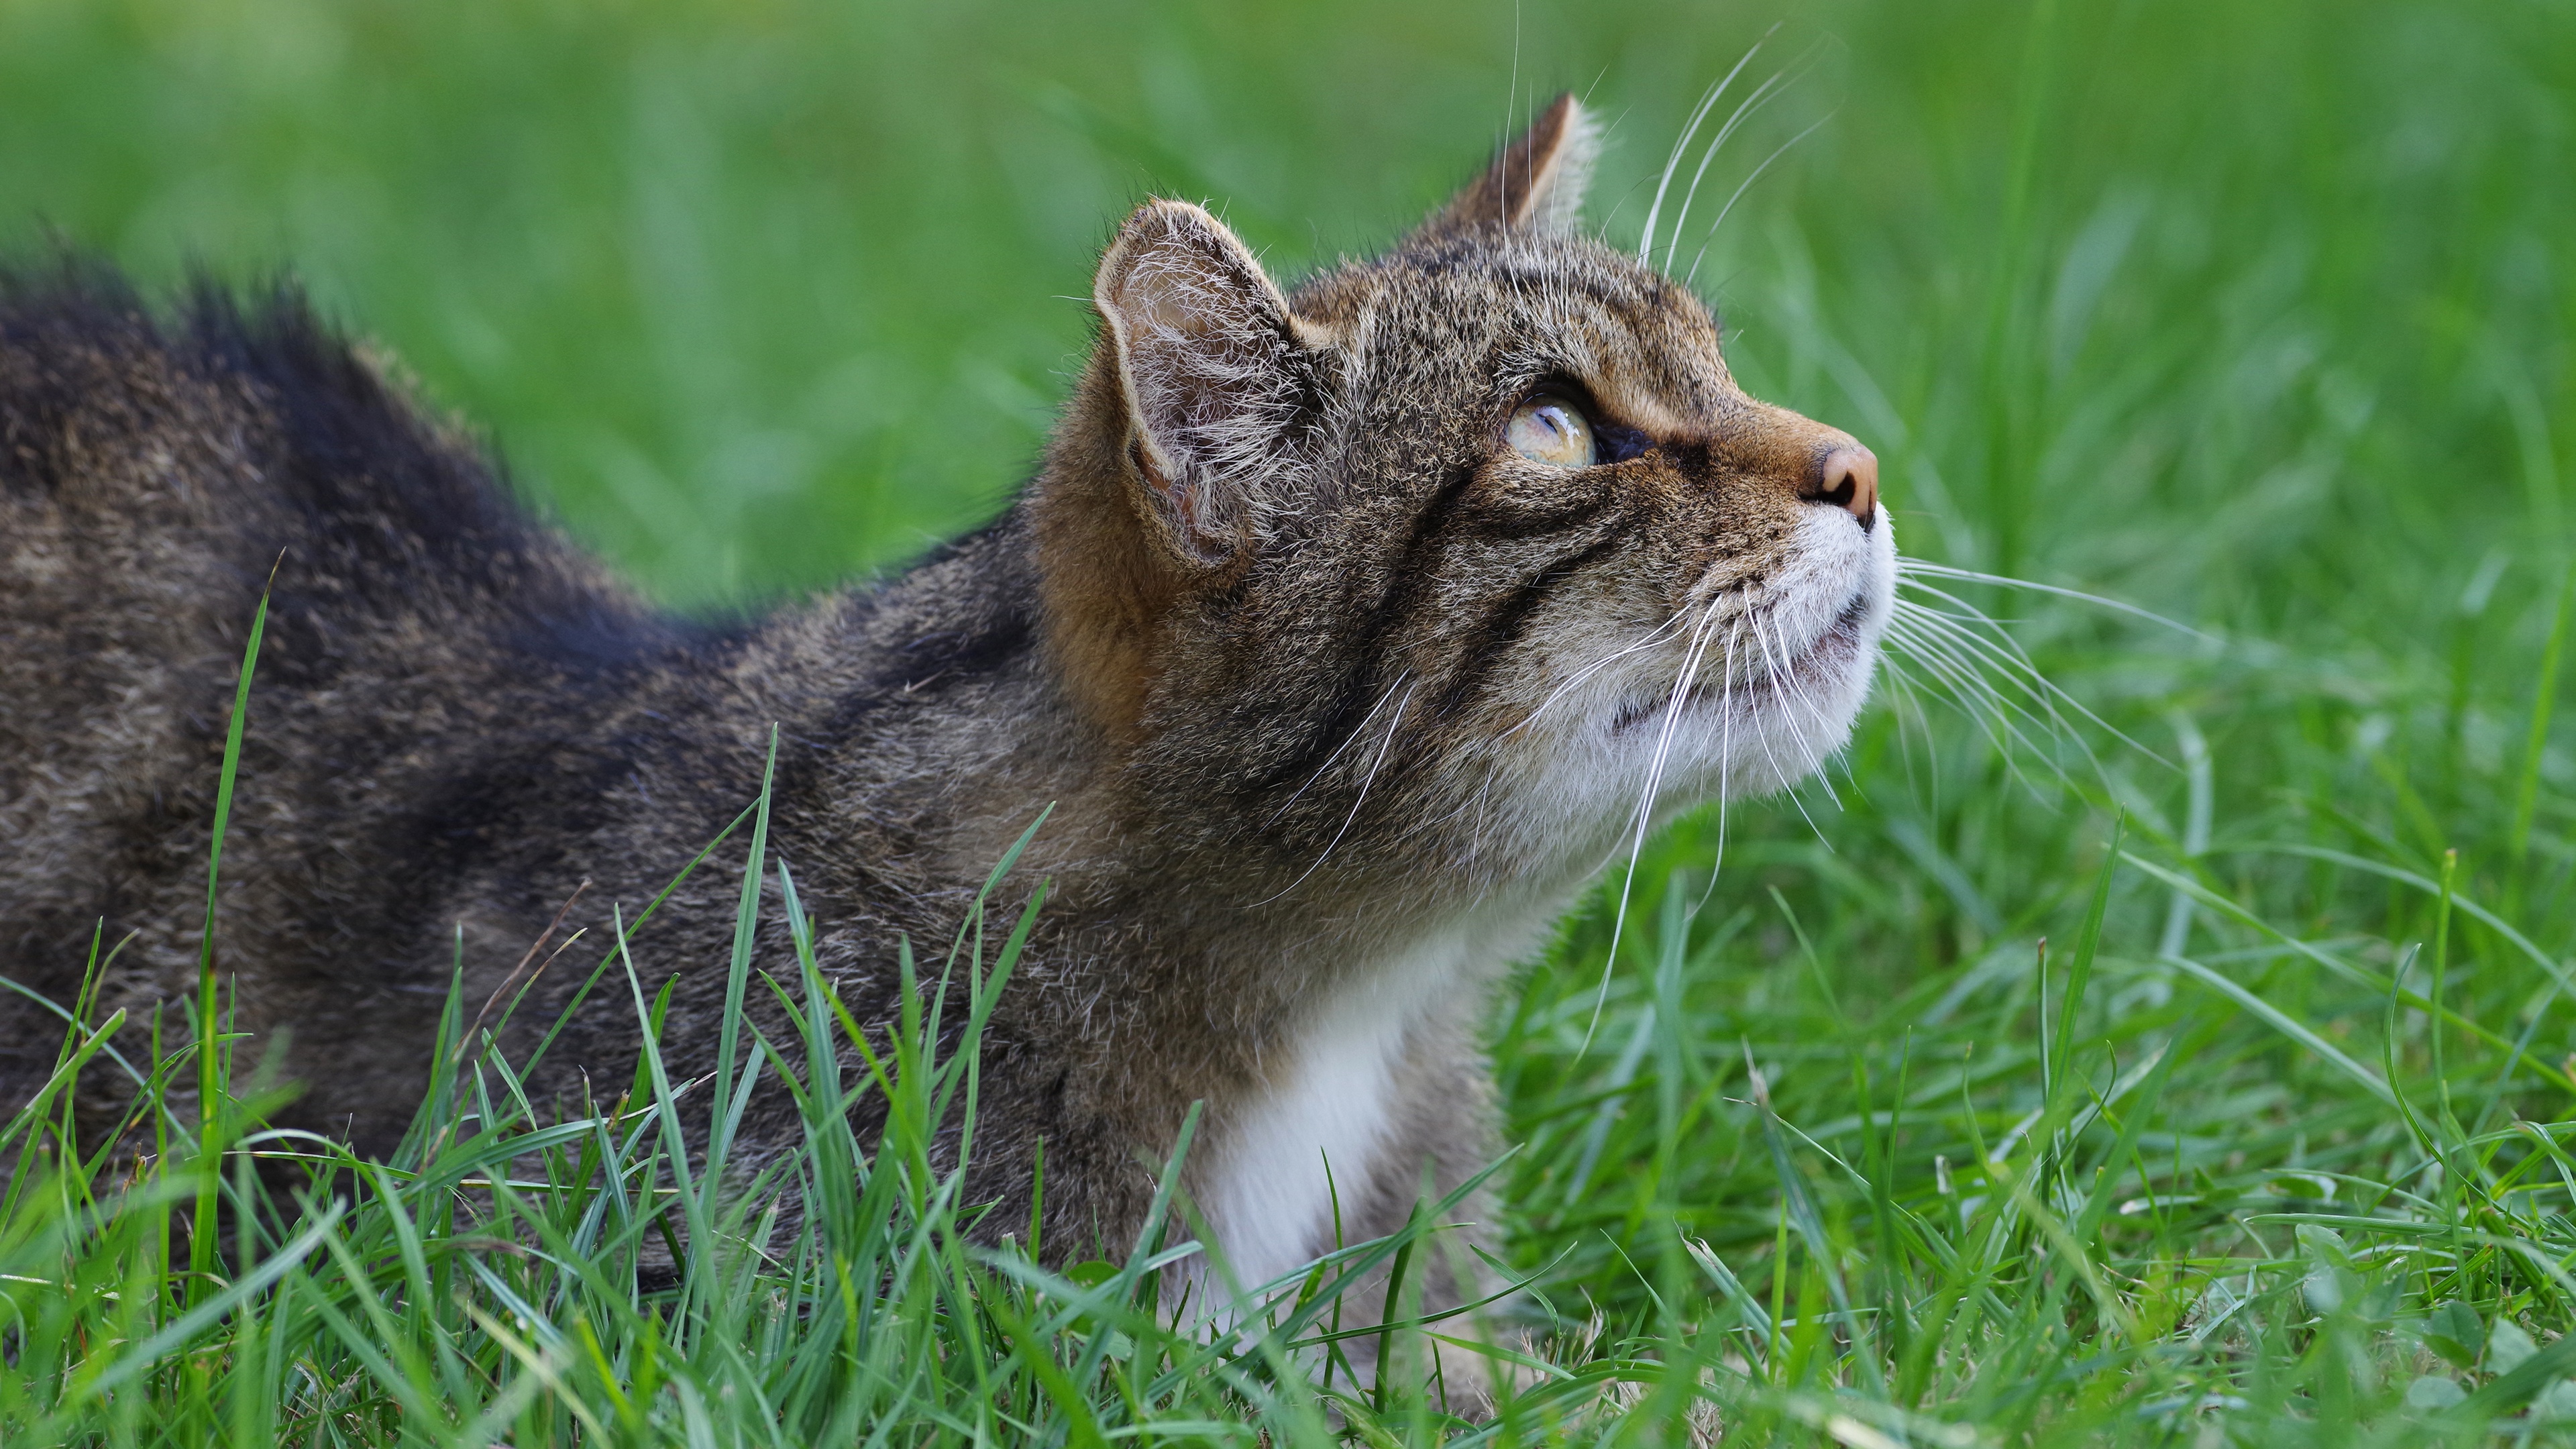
(1967, 610)
(1744, 108)
(1672, 163)
(1998, 642)
(1484, 812)
(1925, 628)
(1681, 145)
(1910, 569)
(1595, 667)
(1357, 730)
(1370, 780)
(1645, 815)
(1797, 694)
(1966, 681)
(1967, 685)
(1725, 764)
(1770, 679)
(1784, 683)
(1913, 725)
(2007, 654)
(1999, 714)
(1682, 679)
(1772, 676)
(1494, 762)
(1702, 253)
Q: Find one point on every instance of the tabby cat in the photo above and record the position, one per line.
(1349, 629)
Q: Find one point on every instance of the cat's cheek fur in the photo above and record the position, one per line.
(1778, 682)
(1823, 641)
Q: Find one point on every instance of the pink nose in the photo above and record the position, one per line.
(1848, 479)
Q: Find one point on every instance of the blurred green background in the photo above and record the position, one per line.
(756, 294)
(2256, 315)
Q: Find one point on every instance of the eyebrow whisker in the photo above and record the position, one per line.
(1681, 144)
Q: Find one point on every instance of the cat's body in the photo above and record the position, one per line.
(1338, 697)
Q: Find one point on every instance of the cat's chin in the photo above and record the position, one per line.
(1769, 722)
(1822, 670)
(1782, 697)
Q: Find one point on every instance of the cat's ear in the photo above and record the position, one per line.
(1212, 369)
(1537, 182)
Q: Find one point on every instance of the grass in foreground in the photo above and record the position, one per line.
(2122, 1236)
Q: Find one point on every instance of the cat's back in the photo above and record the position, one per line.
(130, 486)
(182, 455)
(157, 472)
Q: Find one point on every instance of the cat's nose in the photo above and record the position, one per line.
(1846, 477)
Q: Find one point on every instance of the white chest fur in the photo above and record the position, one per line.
(1330, 1098)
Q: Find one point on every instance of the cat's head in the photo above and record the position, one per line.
(1462, 556)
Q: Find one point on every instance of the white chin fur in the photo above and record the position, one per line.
(1804, 648)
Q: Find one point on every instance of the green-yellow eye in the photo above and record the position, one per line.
(1553, 431)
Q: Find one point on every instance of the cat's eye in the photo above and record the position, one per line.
(1553, 431)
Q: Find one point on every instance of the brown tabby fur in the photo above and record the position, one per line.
(1280, 627)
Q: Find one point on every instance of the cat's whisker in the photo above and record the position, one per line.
(1964, 681)
(1996, 651)
(1494, 758)
(1691, 658)
(1815, 757)
(1747, 185)
(1794, 690)
(1913, 722)
(1762, 93)
(1910, 572)
(1776, 679)
(1644, 818)
(1956, 650)
(1966, 687)
(1476, 806)
(1385, 741)
(2007, 655)
(1356, 731)
(2002, 736)
(1996, 641)
(1726, 759)
(1596, 666)
(1681, 144)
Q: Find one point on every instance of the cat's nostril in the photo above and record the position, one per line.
(1847, 478)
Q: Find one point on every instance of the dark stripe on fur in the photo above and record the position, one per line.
(1484, 647)
(1357, 693)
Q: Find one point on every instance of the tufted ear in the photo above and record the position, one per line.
(1537, 181)
(1212, 368)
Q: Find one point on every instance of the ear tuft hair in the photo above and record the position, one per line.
(1538, 181)
(1211, 367)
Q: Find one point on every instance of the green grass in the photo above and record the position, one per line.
(2256, 316)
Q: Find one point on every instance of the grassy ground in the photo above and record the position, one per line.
(2257, 317)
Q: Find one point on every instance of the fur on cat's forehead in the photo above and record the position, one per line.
(1506, 309)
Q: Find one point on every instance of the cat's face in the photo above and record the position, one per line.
(1472, 555)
